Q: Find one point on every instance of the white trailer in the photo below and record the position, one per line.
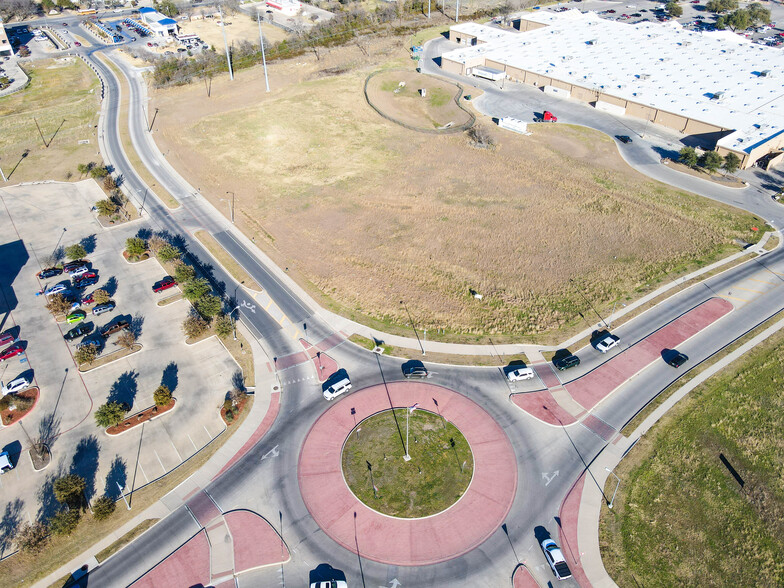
(513, 124)
(488, 73)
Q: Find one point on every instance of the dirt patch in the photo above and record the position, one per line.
(140, 417)
(242, 28)
(366, 213)
(721, 179)
(416, 100)
(23, 403)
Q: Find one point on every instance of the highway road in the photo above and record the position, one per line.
(269, 486)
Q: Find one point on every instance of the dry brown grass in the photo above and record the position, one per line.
(60, 91)
(368, 213)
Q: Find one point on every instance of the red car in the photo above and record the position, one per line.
(85, 276)
(12, 351)
(5, 339)
(164, 284)
(88, 299)
(77, 43)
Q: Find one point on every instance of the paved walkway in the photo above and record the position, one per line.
(449, 534)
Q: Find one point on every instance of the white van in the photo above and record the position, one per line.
(337, 389)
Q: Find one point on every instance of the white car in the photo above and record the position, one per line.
(56, 289)
(79, 271)
(606, 343)
(5, 462)
(329, 584)
(337, 389)
(556, 559)
(15, 386)
(518, 374)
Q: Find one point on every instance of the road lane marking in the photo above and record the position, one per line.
(175, 447)
(208, 433)
(143, 474)
(734, 298)
(160, 461)
(194, 444)
(766, 282)
(749, 290)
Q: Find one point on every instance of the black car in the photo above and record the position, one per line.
(676, 359)
(566, 362)
(72, 265)
(624, 138)
(84, 283)
(414, 369)
(78, 331)
(49, 272)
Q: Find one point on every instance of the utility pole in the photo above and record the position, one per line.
(226, 43)
(457, 10)
(3, 174)
(232, 205)
(40, 133)
(263, 56)
(122, 493)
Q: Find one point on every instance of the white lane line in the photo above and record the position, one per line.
(143, 473)
(194, 444)
(208, 433)
(160, 461)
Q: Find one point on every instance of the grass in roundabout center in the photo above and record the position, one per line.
(437, 475)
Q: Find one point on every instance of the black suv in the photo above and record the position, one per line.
(72, 265)
(49, 272)
(78, 331)
(566, 362)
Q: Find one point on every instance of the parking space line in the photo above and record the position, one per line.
(734, 298)
(765, 282)
(175, 448)
(208, 433)
(749, 290)
(192, 441)
(146, 479)
(160, 461)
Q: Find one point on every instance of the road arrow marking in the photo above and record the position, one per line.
(549, 478)
(271, 453)
(395, 583)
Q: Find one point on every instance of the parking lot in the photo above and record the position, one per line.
(36, 220)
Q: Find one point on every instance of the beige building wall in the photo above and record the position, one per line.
(640, 111)
(495, 64)
(673, 121)
(462, 38)
(583, 94)
(453, 67)
(695, 127)
(524, 25)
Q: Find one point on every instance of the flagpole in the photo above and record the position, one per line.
(407, 457)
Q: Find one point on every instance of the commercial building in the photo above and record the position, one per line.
(715, 86)
(287, 7)
(159, 24)
(5, 47)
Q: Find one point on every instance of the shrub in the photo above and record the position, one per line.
(126, 339)
(110, 414)
(20, 403)
(711, 161)
(184, 273)
(68, 490)
(196, 289)
(162, 395)
(101, 296)
(64, 522)
(481, 136)
(688, 156)
(86, 354)
(194, 326)
(57, 304)
(169, 253)
(155, 244)
(135, 246)
(32, 538)
(224, 326)
(98, 172)
(106, 207)
(109, 183)
(76, 251)
(208, 306)
(731, 163)
(103, 508)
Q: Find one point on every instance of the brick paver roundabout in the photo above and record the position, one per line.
(446, 535)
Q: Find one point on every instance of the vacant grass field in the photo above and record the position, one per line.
(61, 91)
(366, 213)
(680, 518)
(438, 473)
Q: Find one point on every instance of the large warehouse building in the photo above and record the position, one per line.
(716, 86)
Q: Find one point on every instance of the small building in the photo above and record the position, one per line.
(5, 47)
(287, 7)
(160, 24)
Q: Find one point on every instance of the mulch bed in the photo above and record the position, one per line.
(11, 416)
(136, 258)
(140, 417)
(236, 410)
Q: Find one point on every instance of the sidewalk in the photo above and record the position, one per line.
(592, 493)
(265, 381)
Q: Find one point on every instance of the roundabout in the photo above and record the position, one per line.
(419, 540)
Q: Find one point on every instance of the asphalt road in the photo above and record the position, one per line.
(269, 486)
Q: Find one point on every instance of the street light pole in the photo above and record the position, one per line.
(610, 504)
(589, 303)
(232, 205)
(146, 189)
(613, 311)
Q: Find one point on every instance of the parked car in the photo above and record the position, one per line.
(604, 341)
(80, 271)
(76, 316)
(12, 351)
(78, 331)
(17, 385)
(77, 43)
(414, 369)
(82, 280)
(6, 338)
(72, 265)
(113, 328)
(555, 558)
(56, 289)
(329, 584)
(519, 373)
(676, 359)
(340, 385)
(102, 308)
(624, 138)
(88, 298)
(5, 462)
(49, 272)
(164, 284)
(566, 362)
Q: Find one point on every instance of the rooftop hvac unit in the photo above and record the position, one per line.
(593, 42)
(766, 73)
(645, 76)
(717, 96)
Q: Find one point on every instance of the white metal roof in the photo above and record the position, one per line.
(714, 77)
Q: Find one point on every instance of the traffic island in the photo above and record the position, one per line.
(395, 540)
(433, 479)
(14, 407)
(140, 417)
